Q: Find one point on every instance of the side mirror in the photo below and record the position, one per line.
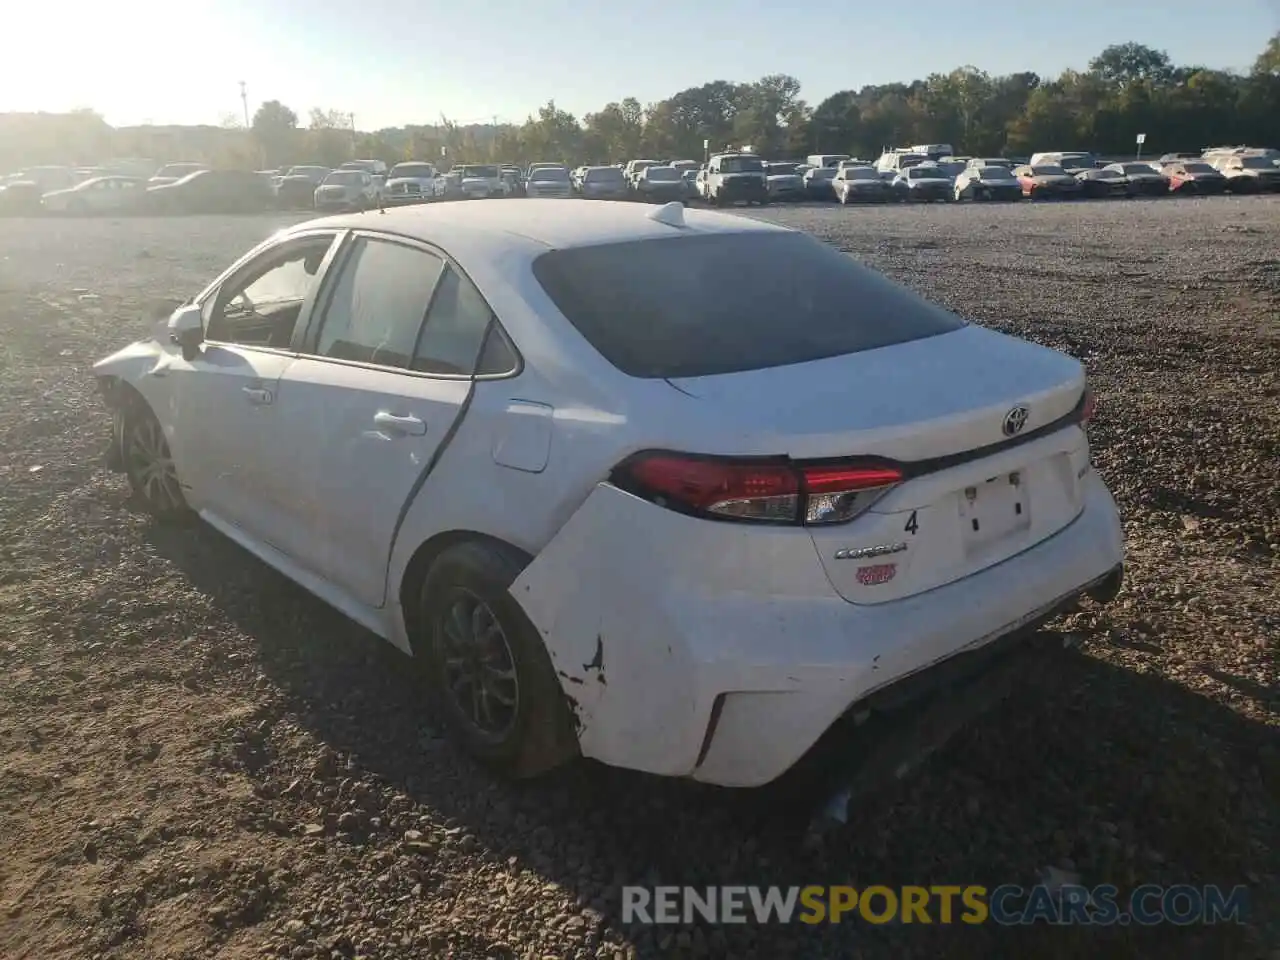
(186, 330)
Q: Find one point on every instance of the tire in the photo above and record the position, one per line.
(468, 587)
(146, 460)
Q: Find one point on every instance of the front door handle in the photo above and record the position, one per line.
(392, 423)
(258, 395)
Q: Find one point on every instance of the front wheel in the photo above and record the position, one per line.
(147, 460)
(487, 665)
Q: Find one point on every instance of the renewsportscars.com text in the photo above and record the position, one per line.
(1068, 904)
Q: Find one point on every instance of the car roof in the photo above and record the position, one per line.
(489, 229)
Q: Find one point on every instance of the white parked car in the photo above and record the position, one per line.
(477, 181)
(410, 182)
(515, 441)
(99, 195)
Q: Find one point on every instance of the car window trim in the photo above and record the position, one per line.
(315, 320)
(337, 239)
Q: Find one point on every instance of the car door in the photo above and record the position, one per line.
(223, 396)
(385, 371)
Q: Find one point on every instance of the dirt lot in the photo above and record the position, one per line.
(200, 760)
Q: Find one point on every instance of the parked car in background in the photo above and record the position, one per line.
(1143, 181)
(783, 181)
(992, 162)
(296, 189)
(1047, 181)
(820, 160)
(659, 184)
(212, 191)
(633, 168)
(819, 183)
(481, 181)
(448, 186)
(409, 182)
(173, 172)
(895, 161)
(860, 185)
(684, 165)
(759, 453)
(690, 178)
(1177, 157)
(735, 178)
(374, 168)
(604, 183)
(513, 181)
(993, 182)
(1103, 182)
(1246, 174)
(1194, 177)
(922, 183)
(19, 197)
(99, 195)
(552, 182)
(348, 188)
(49, 177)
(1071, 161)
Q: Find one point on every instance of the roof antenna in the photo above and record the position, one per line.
(672, 214)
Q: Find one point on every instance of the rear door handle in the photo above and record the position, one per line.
(392, 423)
(257, 395)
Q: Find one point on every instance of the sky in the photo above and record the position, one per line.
(392, 62)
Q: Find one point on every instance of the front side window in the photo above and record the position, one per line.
(378, 304)
(260, 305)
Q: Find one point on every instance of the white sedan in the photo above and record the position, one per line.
(568, 455)
(110, 194)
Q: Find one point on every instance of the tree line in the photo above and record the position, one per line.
(1127, 89)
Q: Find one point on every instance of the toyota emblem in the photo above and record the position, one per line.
(1015, 420)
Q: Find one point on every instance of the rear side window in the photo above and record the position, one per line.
(702, 305)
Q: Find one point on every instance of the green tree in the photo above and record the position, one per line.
(275, 127)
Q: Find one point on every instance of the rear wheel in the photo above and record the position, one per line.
(147, 461)
(487, 665)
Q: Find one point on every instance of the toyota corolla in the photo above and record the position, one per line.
(676, 490)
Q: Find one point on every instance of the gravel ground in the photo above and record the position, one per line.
(201, 760)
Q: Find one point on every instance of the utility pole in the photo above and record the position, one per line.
(353, 134)
(244, 99)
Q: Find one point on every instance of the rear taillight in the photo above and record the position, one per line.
(1086, 408)
(757, 490)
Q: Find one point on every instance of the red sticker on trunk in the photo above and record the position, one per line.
(877, 573)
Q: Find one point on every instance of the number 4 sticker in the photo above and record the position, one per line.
(912, 524)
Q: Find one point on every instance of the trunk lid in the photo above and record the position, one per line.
(976, 491)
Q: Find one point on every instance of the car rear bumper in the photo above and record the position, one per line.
(719, 652)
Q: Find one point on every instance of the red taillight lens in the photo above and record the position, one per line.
(1086, 408)
(762, 491)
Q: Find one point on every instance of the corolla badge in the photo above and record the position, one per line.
(1015, 420)
(865, 553)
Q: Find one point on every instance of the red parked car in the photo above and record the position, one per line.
(1193, 176)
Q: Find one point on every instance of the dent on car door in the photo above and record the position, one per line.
(386, 370)
(224, 395)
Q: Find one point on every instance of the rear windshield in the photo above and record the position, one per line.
(604, 175)
(481, 173)
(861, 173)
(780, 169)
(550, 175)
(661, 173)
(701, 305)
(1198, 168)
